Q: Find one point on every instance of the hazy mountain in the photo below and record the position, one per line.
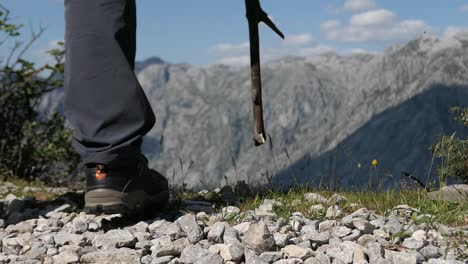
(387, 106)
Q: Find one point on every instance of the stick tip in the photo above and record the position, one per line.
(259, 139)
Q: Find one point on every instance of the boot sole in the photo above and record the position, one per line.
(107, 201)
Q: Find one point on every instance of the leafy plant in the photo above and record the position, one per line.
(453, 151)
(31, 146)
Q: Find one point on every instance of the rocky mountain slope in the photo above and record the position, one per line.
(387, 106)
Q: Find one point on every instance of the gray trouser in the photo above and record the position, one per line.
(103, 100)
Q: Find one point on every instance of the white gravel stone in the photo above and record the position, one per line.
(430, 251)
(309, 228)
(412, 243)
(317, 237)
(343, 252)
(162, 227)
(289, 261)
(162, 260)
(210, 259)
(112, 256)
(296, 225)
(230, 236)
(444, 261)
(22, 227)
(315, 198)
(252, 258)
(79, 225)
(160, 242)
(281, 239)
(193, 253)
(327, 225)
(341, 231)
(115, 238)
(173, 249)
(317, 208)
(259, 238)
(52, 251)
(230, 211)
(189, 225)
(336, 199)
(64, 238)
(146, 259)
(419, 235)
(242, 227)
(381, 233)
(359, 257)
(66, 257)
(334, 212)
(232, 252)
(293, 251)
(216, 232)
(400, 257)
(271, 256)
(355, 234)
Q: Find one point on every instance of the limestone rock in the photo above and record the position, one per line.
(451, 193)
(315, 198)
(293, 251)
(189, 225)
(259, 238)
(115, 238)
(112, 256)
(66, 257)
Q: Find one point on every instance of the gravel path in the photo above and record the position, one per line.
(57, 234)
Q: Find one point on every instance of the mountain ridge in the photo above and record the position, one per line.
(310, 105)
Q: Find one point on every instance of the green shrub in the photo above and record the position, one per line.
(453, 151)
(30, 146)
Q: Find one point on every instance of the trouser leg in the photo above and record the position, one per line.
(103, 100)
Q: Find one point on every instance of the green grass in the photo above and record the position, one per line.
(41, 194)
(381, 202)
(452, 214)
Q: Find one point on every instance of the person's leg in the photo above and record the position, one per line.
(103, 100)
(105, 104)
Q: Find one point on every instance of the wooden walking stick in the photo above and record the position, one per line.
(255, 15)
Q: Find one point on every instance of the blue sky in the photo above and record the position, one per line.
(213, 31)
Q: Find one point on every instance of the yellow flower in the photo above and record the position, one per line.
(374, 163)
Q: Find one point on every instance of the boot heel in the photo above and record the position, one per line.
(111, 202)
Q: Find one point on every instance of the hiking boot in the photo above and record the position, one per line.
(130, 190)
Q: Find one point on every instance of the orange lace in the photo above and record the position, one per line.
(100, 173)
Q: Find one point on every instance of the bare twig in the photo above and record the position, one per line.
(255, 15)
(12, 52)
(34, 37)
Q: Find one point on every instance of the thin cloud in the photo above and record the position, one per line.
(464, 8)
(330, 24)
(359, 5)
(231, 48)
(454, 30)
(377, 17)
(53, 44)
(381, 25)
(238, 54)
(40, 55)
(298, 40)
(361, 51)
